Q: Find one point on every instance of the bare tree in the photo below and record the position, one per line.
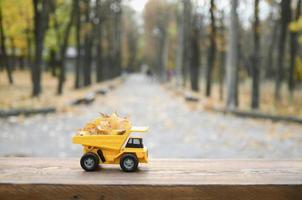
(78, 43)
(195, 53)
(63, 48)
(269, 64)
(221, 55)
(232, 58)
(28, 32)
(212, 50)
(161, 45)
(41, 15)
(88, 44)
(117, 37)
(131, 37)
(179, 50)
(4, 50)
(256, 59)
(98, 41)
(187, 23)
(109, 65)
(112, 31)
(293, 52)
(13, 56)
(285, 19)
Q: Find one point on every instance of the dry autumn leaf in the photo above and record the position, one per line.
(106, 125)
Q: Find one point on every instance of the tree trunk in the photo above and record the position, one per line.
(40, 26)
(180, 46)
(28, 43)
(132, 45)
(293, 52)
(256, 59)
(187, 15)
(99, 65)
(53, 62)
(195, 55)
(4, 50)
(99, 49)
(166, 75)
(13, 56)
(87, 60)
(232, 58)
(21, 62)
(78, 44)
(63, 49)
(88, 41)
(109, 65)
(269, 69)
(56, 54)
(118, 41)
(212, 50)
(161, 68)
(285, 19)
(221, 56)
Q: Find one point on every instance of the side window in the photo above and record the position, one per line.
(136, 141)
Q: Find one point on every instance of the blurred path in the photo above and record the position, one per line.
(175, 131)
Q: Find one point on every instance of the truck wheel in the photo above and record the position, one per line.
(89, 162)
(129, 163)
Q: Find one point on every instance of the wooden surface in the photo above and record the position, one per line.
(36, 178)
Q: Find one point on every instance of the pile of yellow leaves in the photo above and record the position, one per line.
(107, 125)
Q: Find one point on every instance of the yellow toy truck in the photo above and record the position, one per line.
(113, 148)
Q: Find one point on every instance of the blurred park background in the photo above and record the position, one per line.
(211, 78)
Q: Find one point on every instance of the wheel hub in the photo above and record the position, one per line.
(129, 163)
(89, 162)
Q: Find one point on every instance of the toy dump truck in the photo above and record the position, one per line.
(113, 148)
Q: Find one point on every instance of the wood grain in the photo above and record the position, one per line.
(36, 178)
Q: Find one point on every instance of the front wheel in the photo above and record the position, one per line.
(89, 162)
(129, 163)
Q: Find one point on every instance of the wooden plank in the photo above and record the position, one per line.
(35, 178)
(208, 192)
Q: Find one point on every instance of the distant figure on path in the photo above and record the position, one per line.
(149, 74)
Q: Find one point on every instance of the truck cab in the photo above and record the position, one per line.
(136, 147)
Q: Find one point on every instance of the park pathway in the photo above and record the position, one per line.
(175, 130)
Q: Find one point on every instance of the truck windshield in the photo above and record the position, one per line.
(135, 143)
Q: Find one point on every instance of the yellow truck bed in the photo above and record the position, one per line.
(114, 142)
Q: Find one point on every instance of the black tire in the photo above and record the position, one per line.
(129, 163)
(90, 162)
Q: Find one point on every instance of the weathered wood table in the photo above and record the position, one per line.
(36, 178)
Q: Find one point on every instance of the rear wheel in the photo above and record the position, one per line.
(89, 162)
(129, 163)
